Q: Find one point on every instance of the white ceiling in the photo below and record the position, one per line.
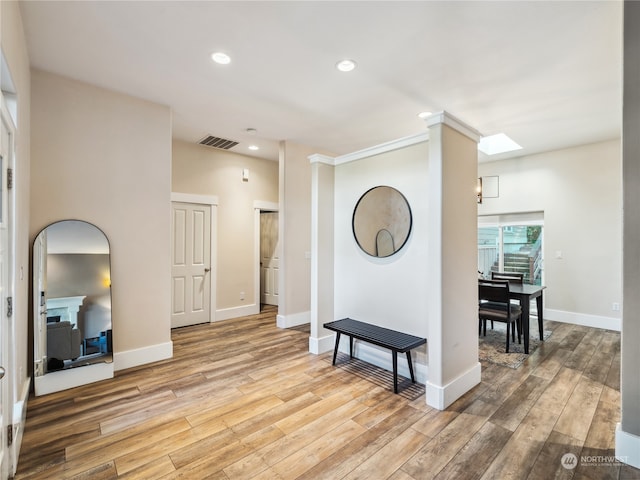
(548, 74)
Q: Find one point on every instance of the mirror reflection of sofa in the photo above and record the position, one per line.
(63, 340)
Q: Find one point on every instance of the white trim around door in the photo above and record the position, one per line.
(259, 206)
(211, 200)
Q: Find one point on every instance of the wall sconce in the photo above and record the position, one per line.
(479, 189)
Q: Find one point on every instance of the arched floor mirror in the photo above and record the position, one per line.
(72, 327)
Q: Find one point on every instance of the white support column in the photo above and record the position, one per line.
(322, 251)
(452, 260)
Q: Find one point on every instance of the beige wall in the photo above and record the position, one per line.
(580, 192)
(15, 51)
(105, 158)
(206, 171)
(295, 230)
(429, 287)
(389, 292)
(455, 269)
(322, 251)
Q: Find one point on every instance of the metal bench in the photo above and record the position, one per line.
(383, 337)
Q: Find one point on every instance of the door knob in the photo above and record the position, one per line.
(207, 270)
(2, 372)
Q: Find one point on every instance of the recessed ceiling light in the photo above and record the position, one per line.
(498, 143)
(424, 114)
(221, 58)
(346, 65)
(254, 147)
(251, 131)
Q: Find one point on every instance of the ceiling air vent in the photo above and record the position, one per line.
(217, 142)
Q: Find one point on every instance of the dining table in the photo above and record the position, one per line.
(524, 293)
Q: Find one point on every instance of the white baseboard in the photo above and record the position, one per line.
(596, 321)
(441, 396)
(627, 447)
(235, 312)
(293, 320)
(19, 420)
(318, 345)
(381, 357)
(140, 356)
(73, 377)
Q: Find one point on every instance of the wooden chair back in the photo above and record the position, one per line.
(512, 277)
(494, 291)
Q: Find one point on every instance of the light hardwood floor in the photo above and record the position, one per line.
(242, 399)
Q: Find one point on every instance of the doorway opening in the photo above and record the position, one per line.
(512, 243)
(269, 261)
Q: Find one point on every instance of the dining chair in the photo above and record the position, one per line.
(512, 277)
(494, 305)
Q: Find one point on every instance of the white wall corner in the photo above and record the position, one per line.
(141, 356)
(584, 319)
(627, 447)
(293, 320)
(447, 119)
(318, 345)
(441, 396)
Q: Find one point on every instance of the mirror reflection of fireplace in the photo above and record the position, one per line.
(72, 309)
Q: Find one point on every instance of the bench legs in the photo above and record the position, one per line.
(413, 378)
(395, 369)
(394, 355)
(335, 350)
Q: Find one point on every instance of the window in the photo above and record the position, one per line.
(511, 243)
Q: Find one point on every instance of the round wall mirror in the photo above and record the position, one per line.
(72, 297)
(382, 221)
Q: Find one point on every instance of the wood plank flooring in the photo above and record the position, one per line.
(242, 399)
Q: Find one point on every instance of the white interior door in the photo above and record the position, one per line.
(269, 258)
(190, 264)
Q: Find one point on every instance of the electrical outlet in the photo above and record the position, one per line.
(241, 295)
(615, 307)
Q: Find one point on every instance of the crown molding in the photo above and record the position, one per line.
(447, 119)
(319, 158)
(383, 148)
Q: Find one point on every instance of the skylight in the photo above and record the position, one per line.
(498, 143)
